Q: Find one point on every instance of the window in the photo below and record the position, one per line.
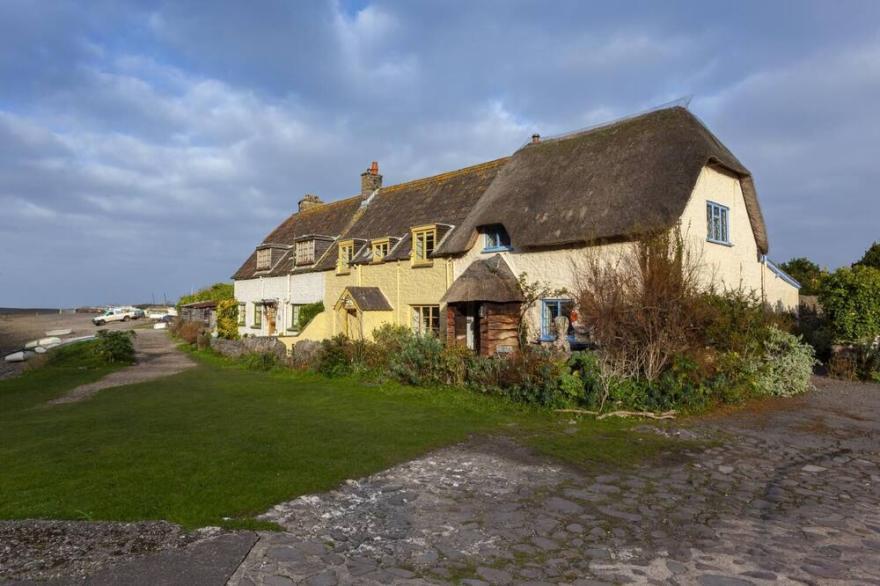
(380, 249)
(717, 218)
(346, 253)
(242, 313)
(293, 322)
(264, 258)
(305, 252)
(426, 320)
(495, 239)
(423, 244)
(550, 310)
(258, 316)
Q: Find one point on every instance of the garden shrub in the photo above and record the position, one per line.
(188, 331)
(850, 298)
(227, 319)
(856, 362)
(787, 365)
(419, 361)
(114, 347)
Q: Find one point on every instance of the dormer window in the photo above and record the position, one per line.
(264, 259)
(380, 249)
(424, 238)
(495, 239)
(346, 253)
(305, 252)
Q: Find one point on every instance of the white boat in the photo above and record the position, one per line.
(75, 340)
(59, 332)
(42, 342)
(20, 356)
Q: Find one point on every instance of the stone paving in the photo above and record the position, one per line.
(789, 493)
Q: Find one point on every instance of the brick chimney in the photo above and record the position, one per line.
(309, 200)
(370, 180)
(536, 138)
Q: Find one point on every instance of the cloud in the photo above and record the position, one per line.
(146, 148)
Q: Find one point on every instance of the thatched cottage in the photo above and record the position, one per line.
(442, 254)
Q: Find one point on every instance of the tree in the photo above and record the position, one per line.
(850, 298)
(807, 273)
(871, 257)
(215, 292)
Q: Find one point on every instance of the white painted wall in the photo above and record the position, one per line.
(299, 289)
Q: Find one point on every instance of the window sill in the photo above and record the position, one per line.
(342, 273)
(498, 249)
(721, 242)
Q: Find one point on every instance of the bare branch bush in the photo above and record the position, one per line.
(643, 307)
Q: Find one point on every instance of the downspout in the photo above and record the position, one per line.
(397, 271)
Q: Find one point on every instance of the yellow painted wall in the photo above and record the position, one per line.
(402, 284)
(320, 328)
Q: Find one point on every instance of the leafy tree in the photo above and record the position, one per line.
(215, 292)
(850, 298)
(227, 319)
(871, 257)
(807, 273)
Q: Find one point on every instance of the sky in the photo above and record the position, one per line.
(146, 148)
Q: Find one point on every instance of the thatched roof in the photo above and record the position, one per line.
(485, 280)
(442, 199)
(368, 298)
(328, 220)
(613, 182)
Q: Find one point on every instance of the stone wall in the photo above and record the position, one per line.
(259, 345)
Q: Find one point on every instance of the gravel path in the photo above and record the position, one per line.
(791, 494)
(156, 357)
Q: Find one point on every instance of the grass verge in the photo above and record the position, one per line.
(218, 444)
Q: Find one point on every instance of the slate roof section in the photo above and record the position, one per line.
(486, 280)
(369, 298)
(442, 199)
(617, 181)
(329, 219)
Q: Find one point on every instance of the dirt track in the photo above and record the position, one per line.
(156, 357)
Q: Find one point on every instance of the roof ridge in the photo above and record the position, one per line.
(445, 175)
(324, 205)
(606, 125)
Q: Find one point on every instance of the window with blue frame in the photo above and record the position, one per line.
(550, 310)
(717, 222)
(495, 239)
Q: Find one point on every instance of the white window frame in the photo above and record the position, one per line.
(423, 319)
(293, 319)
(717, 223)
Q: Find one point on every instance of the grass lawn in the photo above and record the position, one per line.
(218, 441)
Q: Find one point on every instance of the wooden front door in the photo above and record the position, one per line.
(271, 314)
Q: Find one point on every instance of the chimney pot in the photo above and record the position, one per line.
(370, 180)
(309, 200)
(536, 138)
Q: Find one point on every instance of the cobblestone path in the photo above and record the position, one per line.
(789, 494)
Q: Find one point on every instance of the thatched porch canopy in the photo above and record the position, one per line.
(489, 280)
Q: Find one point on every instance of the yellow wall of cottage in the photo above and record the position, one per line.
(404, 285)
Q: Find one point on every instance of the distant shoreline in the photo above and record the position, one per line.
(26, 310)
